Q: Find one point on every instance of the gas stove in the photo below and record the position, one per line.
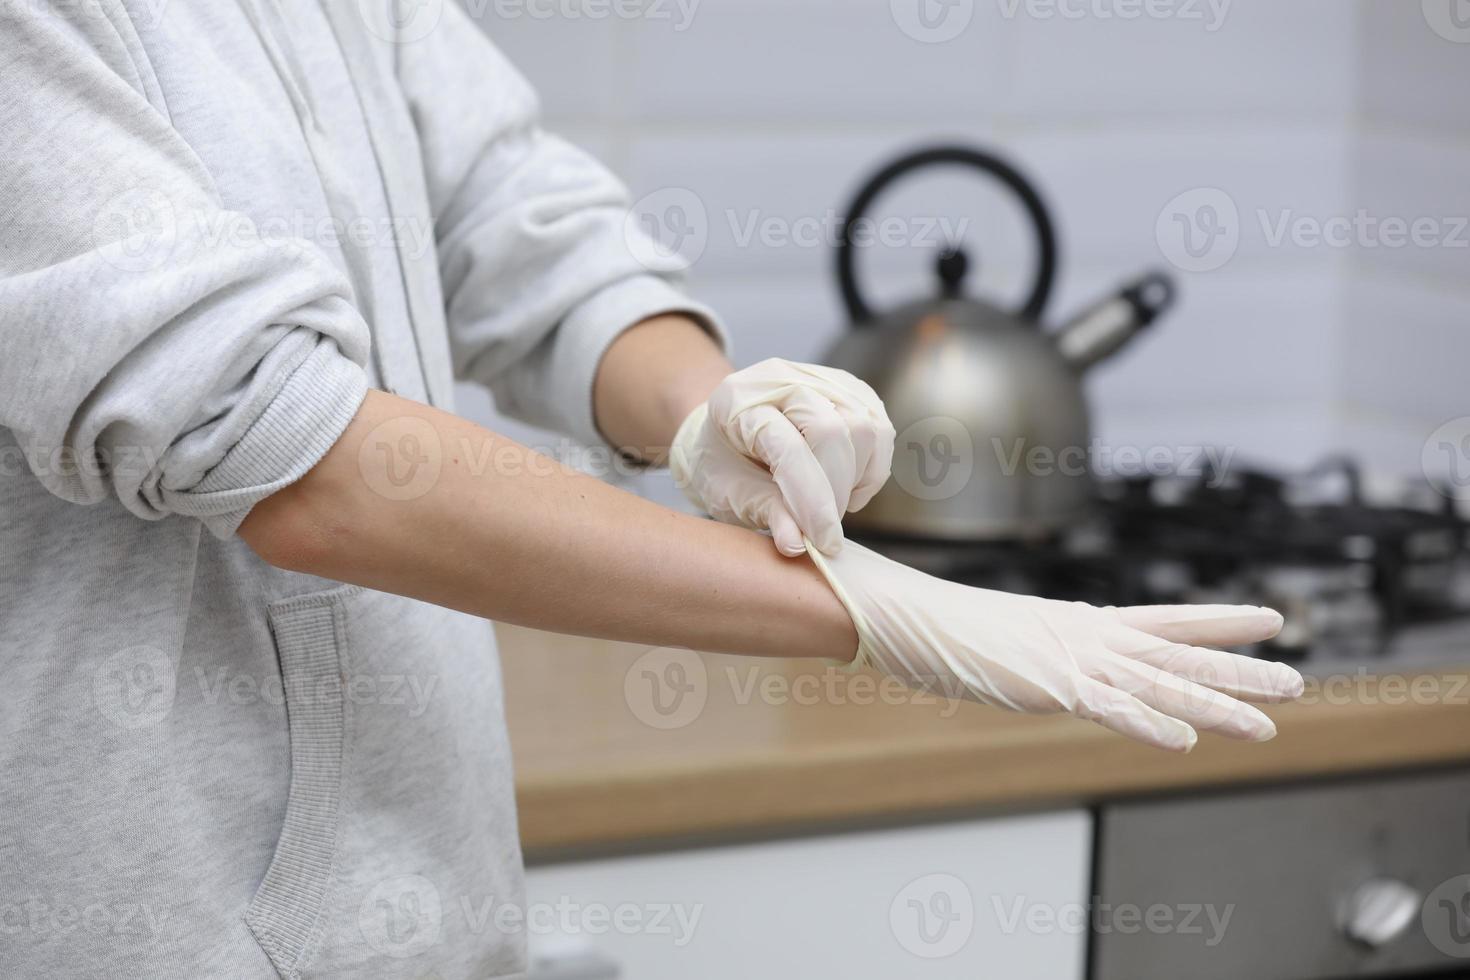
(1361, 577)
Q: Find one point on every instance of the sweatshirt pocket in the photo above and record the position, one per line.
(286, 915)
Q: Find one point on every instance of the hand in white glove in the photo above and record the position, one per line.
(1134, 670)
(788, 447)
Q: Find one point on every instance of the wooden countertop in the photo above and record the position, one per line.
(773, 746)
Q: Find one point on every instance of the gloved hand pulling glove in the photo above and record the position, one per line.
(1136, 670)
(788, 447)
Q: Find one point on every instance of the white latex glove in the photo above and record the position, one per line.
(1134, 670)
(785, 447)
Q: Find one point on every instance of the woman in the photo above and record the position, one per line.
(247, 247)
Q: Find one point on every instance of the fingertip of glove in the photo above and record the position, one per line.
(1179, 738)
(789, 545)
(828, 544)
(1293, 685)
(1271, 621)
(1279, 683)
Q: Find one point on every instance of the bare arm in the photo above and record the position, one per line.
(651, 377)
(505, 533)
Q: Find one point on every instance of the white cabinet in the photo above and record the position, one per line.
(1001, 898)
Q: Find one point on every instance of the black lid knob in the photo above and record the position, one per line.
(953, 265)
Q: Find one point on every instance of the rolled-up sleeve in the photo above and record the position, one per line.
(541, 267)
(152, 349)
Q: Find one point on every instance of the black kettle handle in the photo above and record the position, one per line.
(1046, 246)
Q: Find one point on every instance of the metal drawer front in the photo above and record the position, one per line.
(1355, 879)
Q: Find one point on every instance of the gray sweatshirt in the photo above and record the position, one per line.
(221, 222)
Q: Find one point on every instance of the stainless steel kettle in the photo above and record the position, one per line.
(993, 433)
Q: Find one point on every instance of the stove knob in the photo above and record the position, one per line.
(1379, 911)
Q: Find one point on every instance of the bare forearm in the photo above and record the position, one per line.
(651, 377)
(508, 534)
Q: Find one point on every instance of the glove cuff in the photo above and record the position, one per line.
(859, 622)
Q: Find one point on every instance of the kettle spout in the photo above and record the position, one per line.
(1101, 330)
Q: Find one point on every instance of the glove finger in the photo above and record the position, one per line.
(868, 424)
(828, 436)
(1263, 681)
(803, 483)
(1121, 712)
(873, 441)
(1208, 625)
(1201, 707)
(864, 443)
(784, 530)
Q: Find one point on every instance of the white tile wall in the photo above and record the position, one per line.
(1291, 59)
(1287, 437)
(1391, 322)
(1407, 308)
(573, 62)
(1416, 178)
(772, 112)
(1266, 340)
(772, 200)
(812, 63)
(1411, 77)
(1108, 186)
